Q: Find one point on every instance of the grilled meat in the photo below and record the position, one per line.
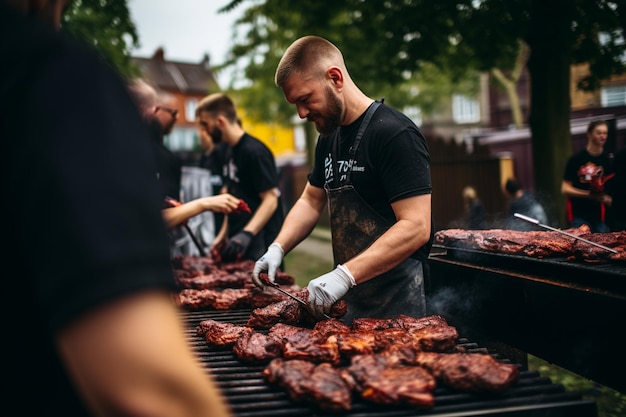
(257, 347)
(225, 299)
(290, 311)
(537, 244)
(218, 333)
(475, 372)
(369, 324)
(286, 311)
(322, 385)
(407, 322)
(382, 380)
(589, 253)
(311, 346)
(214, 280)
(331, 326)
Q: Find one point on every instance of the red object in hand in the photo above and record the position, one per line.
(242, 207)
(597, 183)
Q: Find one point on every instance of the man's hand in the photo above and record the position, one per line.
(237, 246)
(269, 262)
(328, 289)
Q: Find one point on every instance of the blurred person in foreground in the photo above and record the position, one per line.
(523, 202)
(583, 181)
(92, 327)
(249, 173)
(372, 168)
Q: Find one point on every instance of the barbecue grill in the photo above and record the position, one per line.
(566, 312)
(249, 394)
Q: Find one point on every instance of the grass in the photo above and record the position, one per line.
(304, 267)
(610, 403)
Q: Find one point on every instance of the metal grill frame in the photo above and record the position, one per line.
(566, 313)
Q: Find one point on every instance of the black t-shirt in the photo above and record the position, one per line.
(581, 168)
(250, 169)
(391, 163)
(169, 167)
(214, 162)
(84, 226)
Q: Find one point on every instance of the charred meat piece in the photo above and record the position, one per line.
(370, 324)
(286, 311)
(218, 333)
(589, 253)
(435, 338)
(226, 299)
(291, 376)
(289, 311)
(261, 298)
(214, 280)
(359, 343)
(380, 381)
(311, 346)
(280, 331)
(476, 372)
(321, 384)
(407, 322)
(256, 347)
(281, 278)
(331, 326)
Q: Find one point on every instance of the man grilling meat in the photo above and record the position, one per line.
(372, 168)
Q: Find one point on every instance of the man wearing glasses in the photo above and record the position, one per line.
(166, 111)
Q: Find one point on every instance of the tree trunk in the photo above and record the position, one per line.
(510, 83)
(549, 68)
(510, 87)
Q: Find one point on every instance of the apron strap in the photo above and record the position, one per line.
(366, 121)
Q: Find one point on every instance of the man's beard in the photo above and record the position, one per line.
(326, 125)
(216, 135)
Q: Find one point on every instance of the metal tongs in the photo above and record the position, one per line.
(535, 221)
(293, 297)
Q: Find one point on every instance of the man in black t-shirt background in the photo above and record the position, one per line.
(249, 173)
(583, 179)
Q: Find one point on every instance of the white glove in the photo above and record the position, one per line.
(327, 289)
(269, 262)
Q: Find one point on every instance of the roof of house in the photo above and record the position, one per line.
(183, 77)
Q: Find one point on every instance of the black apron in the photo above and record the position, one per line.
(354, 227)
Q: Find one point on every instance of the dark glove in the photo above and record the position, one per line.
(237, 246)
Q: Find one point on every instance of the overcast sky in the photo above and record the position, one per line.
(185, 29)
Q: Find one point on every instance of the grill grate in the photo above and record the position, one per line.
(249, 394)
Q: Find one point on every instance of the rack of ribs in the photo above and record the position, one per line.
(537, 244)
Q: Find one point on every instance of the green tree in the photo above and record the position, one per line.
(107, 26)
(388, 43)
